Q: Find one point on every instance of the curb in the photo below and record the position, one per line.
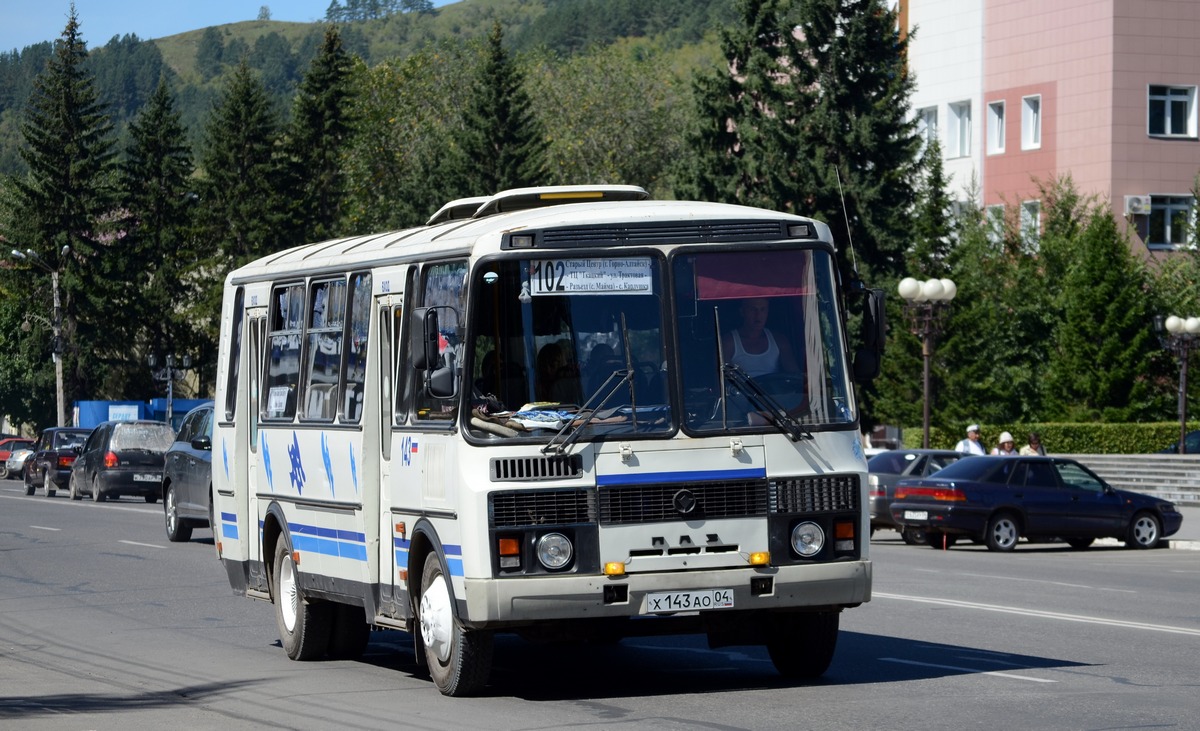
(1164, 543)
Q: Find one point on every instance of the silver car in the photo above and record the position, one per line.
(888, 468)
(14, 466)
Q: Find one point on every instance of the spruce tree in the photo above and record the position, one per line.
(316, 142)
(503, 143)
(63, 204)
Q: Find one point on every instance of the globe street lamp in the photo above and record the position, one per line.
(925, 307)
(1180, 335)
(32, 257)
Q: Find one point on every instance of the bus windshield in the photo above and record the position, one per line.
(578, 344)
(569, 343)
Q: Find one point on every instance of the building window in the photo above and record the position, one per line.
(1031, 224)
(995, 223)
(1170, 219)
(995, 128)
(1031, 122)
(1173, 111)
(958, 142)
(927, 125)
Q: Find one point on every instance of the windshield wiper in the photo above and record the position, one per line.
(620, 376)
(770, 406)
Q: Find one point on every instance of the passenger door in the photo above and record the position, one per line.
(1047, 505)
(1095, 510)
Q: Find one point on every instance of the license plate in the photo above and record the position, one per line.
(916, 515)
(146, 478)
(686, 601)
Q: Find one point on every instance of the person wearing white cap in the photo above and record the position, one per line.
(1006, 448)
(971, 445)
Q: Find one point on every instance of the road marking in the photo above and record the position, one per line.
(42, 527)
(973, 671)
(135, 543)
(1031, 581)
(1044, 615)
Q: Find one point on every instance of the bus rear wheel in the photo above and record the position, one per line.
(801, 644)
(459, 660)
(303, 626)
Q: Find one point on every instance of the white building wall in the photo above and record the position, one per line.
(946, 59)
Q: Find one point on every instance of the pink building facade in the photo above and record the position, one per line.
(1102, 90)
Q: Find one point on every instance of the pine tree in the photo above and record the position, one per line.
(210, 53)
(503, 144)
(317, 139)
(159, 202)
(63, 204)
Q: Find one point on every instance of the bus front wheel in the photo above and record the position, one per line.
(303, 626)
(459, 660)
(801, 644)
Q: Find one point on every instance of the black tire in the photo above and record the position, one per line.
(178, 530)
(4, 470)
(1003, 532)
(73, 488)
(459, 660)
(940, 540)
(303, 625)
(1145, 531)
(97, 494)
(913, 536)
(29, 486)
(801, 644)
(1079, 543)
(350, 634)
(151, 499)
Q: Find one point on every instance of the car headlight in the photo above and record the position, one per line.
(808, 539)
(554, 550)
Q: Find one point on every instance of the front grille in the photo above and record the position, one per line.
(628, 504)
(521, 508)
(509, 469)
(824, 494)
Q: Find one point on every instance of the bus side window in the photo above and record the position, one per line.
(401, 366)
(442, 286)
(355, 367)
(283, 362)
(327, 319)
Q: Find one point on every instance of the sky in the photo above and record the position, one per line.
(26, 22)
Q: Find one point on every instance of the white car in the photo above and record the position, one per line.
(14, 467)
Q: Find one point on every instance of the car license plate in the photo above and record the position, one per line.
(686, 601)
(916, 515)
(146, 478)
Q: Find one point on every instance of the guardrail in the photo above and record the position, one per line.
(1172, 477)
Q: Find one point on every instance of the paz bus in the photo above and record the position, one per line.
(528, 416)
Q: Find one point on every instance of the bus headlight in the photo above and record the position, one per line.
(554, 550)
(808, 539)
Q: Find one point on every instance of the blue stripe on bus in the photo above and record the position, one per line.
(643, 478)
(452, 553)
(228, 526)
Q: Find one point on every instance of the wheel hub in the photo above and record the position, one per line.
(436, 618)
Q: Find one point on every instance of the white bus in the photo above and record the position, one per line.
(566, 412)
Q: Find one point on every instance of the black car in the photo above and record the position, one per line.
(53, 456)
(1191, 444)
(187, 476)
(889, 467)
(1001, 499)
(122, 458)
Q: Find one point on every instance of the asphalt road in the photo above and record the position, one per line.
(106, 625)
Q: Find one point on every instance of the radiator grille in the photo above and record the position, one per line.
(558, 467)
(541, 507)
(824, 494)
(656, 503)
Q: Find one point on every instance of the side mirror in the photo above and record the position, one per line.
(869, 356)
(424, 329)
(202, 443)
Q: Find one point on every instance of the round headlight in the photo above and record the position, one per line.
(808, 539)
(554, 550)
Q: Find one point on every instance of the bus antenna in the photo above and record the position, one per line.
(846, 218)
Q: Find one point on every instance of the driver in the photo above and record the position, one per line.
(753, 347)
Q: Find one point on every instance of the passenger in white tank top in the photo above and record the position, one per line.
(755, 348)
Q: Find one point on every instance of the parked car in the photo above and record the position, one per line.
(889, 467)
(122, 458)
(187, 476)
(8, 445)
(53, 455)
(14, 466)
(1001, 499)
(1191, 444)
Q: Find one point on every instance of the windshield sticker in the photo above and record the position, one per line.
(591, 276)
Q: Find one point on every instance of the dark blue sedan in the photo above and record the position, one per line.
(1001, 499)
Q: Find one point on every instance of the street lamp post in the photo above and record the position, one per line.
(32, 257)
(925, 306)
(1180, 336)
(168, 373)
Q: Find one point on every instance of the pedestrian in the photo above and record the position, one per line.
(1006, 447)
(1034, 448)
(971, 445)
